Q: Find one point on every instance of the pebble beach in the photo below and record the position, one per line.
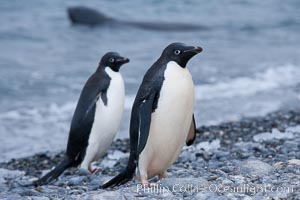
(253, 158)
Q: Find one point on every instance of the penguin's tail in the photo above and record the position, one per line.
(120, 179)
(53, 174)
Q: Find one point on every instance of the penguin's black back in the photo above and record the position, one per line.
(83, 118)
(149, 89)
(81, 125)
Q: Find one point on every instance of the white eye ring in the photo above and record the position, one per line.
(111, 60)
(177, 52)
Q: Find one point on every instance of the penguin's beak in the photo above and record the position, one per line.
(122, 60)
(193, 49)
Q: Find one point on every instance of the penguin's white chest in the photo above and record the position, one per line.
(171, 120)
(107, 119)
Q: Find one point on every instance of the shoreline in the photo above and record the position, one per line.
(257, 152)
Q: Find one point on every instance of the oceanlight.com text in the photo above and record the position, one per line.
(216, 188)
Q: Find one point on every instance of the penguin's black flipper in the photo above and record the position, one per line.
(192, 133)
(145, 121)
(139, 131)
(53, 174)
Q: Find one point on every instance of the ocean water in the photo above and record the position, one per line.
(250, 65)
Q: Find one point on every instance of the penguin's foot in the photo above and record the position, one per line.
(95, 170)
(154, 184)
(146, 184)
(162, 175)
(144, 181)
(92, 169)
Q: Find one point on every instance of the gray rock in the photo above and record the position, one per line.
(209, 146)
(167, 195)
(222, 155)
(214, 164)
(53, 191)
(40, 198)
(295, 130)
(103, 195)
(221, 174)
(9, 196)
(117, 155)
(187, 156)
(103, 179)
(25, 192)
(203, 154)
(97, 181)
(207, 195)
(294, 162)
(83, 172)
(238, 196)
(237, 179)
(260, 197)
(276, 134)
(8, 174)
(186, 183)
(78, 180)
(277, 195)
(254, 168)
(227, 182)
(108, 163)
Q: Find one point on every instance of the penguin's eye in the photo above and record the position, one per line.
(111, 60)
(177, 52)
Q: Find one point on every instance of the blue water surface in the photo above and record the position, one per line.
(250, 65)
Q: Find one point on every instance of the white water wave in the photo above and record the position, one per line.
(270, 79)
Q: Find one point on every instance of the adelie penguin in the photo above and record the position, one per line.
(162, 118)
(96, 119)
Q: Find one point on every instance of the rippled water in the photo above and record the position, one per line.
(250, 64)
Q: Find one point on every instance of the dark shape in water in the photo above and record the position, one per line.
(88, 16)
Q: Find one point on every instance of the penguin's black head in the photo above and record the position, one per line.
(180, 53)
(113, 60)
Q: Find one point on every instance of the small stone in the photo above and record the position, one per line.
(116, 155)
(97, 181)
(212, 177)
(274, 135)
(209, 146)
(5, 173)
(25, 192)
(108, 163)
(204, 154)
(183, 182)
(222, 155)
(294, 162)
(237, 179)
(207, 195)
(214, 164)
(39, 198)
(78, 180)
(9, 196)
(227, 169)
(103, 195)
(53, 191)
(254, 168)
(83, 172)
(227, 182)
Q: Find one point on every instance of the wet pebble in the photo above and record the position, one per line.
(254, 168)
